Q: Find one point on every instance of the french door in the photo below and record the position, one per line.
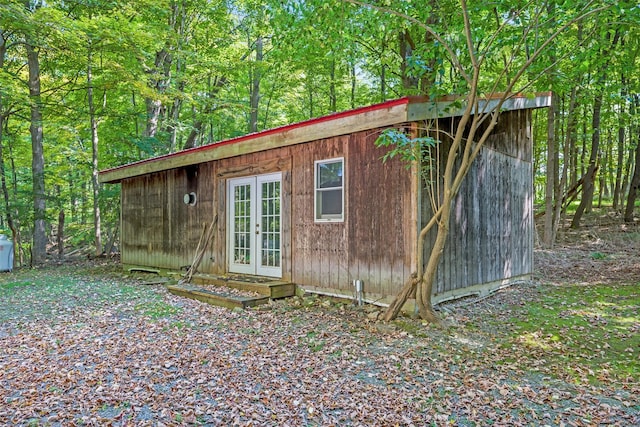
(254, 241)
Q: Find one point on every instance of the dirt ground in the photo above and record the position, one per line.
(603, 250)
(88, 345)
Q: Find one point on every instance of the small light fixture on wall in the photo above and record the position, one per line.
(189, 198)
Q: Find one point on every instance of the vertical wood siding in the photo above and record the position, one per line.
(380, 201)
(371, 244)
(491, 226)
(319, 251)
(158, 228)
(276, 160)
(490, 235)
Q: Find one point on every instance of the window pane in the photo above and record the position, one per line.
(329, 190)
(330, 174)
(330, 202)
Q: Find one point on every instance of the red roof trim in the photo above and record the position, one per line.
(330, 117)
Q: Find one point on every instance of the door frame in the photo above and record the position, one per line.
(254, 267)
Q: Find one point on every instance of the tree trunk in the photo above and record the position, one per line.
(111, 241)
(604, 162)
(465, 150)
(159, 81)
(254, 96)
(572, 126)
(573, 159)
(196, 129)
(396, 305)
(609, 183)
(310, 90)
(428, 79)
(627, 171)
(154, 109)
(584, 149)
(95, 185)
(383, 83)
(174, 118)
(83, 202)
(406, 47)
(354, 80)
(72, 195)
(588, 187)
(135, 116)
(17, 239)
(634, 184)
(3, 116)
(617, 191)
(39, 250)
(5, 193)
(568, 143)
(61, 234)
(179, 23)
(552, 175)
(423, 83)
(333, 99)
(425, 286)
(589, 178)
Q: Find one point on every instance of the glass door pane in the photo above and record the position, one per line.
(255, 239)
(269, 223)
(242, 237)
(242, 225)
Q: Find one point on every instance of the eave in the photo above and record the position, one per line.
(375, 116)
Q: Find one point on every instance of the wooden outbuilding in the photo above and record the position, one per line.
(313, 204)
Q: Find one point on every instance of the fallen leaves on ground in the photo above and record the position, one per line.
(88, 346)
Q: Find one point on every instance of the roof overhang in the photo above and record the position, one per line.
(388, 113)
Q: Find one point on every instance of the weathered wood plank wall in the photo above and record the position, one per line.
(319, 251)
(158, 228)
(380, 201)
(491, 236)
(276, 160)
(373, 244)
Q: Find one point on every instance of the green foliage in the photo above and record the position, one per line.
(409, 150)
(319, 57)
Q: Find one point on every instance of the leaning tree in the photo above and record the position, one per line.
(489, 64)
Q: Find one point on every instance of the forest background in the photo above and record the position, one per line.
(91, 84)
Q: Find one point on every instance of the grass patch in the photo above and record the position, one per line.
(156, 309)
(314, 342)
(587, 333)
(13, 285)
(53, 292)
(412, 327)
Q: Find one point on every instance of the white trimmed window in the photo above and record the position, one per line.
(329, 190)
